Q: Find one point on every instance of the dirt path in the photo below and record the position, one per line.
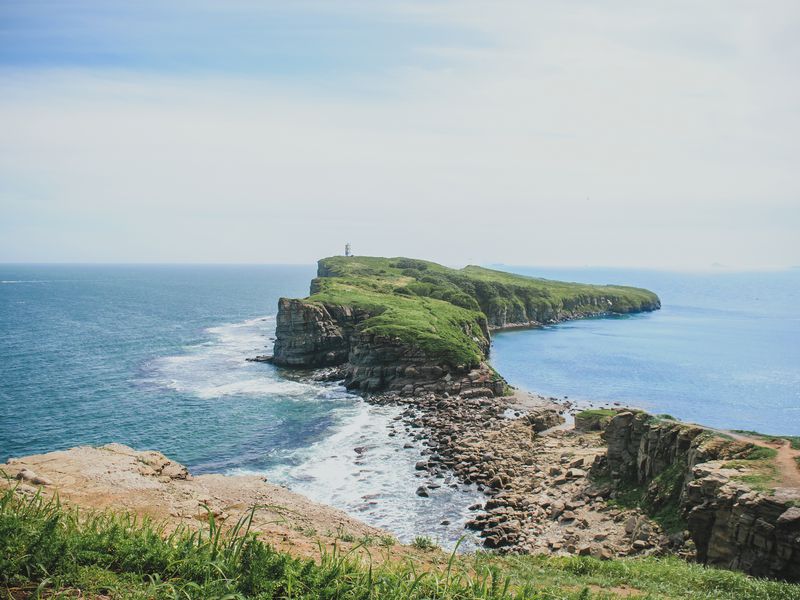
(787, 464)
(788, 468)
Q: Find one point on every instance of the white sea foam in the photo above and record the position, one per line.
(218, 367)
(363, 470)
(376, 485)
(10, 281)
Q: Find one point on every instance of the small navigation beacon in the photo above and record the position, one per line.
(348, 250)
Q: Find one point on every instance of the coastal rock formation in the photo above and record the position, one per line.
(529, 311)
(686, 466)
(312, 335)
(417, 327)
(539, 496)
(735, 527)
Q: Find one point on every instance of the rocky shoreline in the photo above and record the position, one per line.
(549, 488)
(535, 474)
(582, 490)
(558, 489)
(616, 483)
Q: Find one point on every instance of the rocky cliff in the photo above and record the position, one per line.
(312, 335)
(414, 326)
(528, 310)
(689, 468)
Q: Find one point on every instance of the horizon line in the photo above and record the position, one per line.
(713, 268)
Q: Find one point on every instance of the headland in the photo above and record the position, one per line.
(617, 483)
(414, 326)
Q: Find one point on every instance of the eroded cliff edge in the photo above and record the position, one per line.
(415, 326)
(725, 493)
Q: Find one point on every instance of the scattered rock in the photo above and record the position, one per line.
(30, 477)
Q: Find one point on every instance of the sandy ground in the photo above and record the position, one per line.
(148, 483)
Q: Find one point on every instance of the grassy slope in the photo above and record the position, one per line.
(46, 549)
(443, 311)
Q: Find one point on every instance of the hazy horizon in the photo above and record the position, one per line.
(598, 134)
(714, 268)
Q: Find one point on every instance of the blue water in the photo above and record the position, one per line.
(80, 351)
(724, 350)
(154, 357)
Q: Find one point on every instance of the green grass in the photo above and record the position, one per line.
(659, 498)
(49, 551)
(446, 312)
(593, 418)
(762, 453)
(794, 440)
(656, 578)
(598, 412)
(422, 542)
(759, 469)
(453, 334)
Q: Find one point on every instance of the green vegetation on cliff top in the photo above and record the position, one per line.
(447, 312)
(48, 551)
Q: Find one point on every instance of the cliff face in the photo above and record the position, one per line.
(734, 527)
(525, 311)
(731, 525)
(414, 326)
(311, 335)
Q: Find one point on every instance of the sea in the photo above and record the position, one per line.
(723, 350)
(153, 356)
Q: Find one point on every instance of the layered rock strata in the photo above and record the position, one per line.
(311, 335)
(523, 315)
(731, 525)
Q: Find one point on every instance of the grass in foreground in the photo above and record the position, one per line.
(49, 551)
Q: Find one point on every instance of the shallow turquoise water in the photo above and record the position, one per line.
(724, 350)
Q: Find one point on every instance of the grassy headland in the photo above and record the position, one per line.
(447, 313)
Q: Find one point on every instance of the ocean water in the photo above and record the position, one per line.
(154, 357)
(723, 351)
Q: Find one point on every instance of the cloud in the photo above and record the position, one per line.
(554, 134)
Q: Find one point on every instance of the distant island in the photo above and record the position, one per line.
(408, 325)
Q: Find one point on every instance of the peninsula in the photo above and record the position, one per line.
(606, 508)
(414, 326)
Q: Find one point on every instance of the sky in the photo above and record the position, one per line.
(663, 134)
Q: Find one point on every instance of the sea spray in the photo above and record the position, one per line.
(360, 460)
